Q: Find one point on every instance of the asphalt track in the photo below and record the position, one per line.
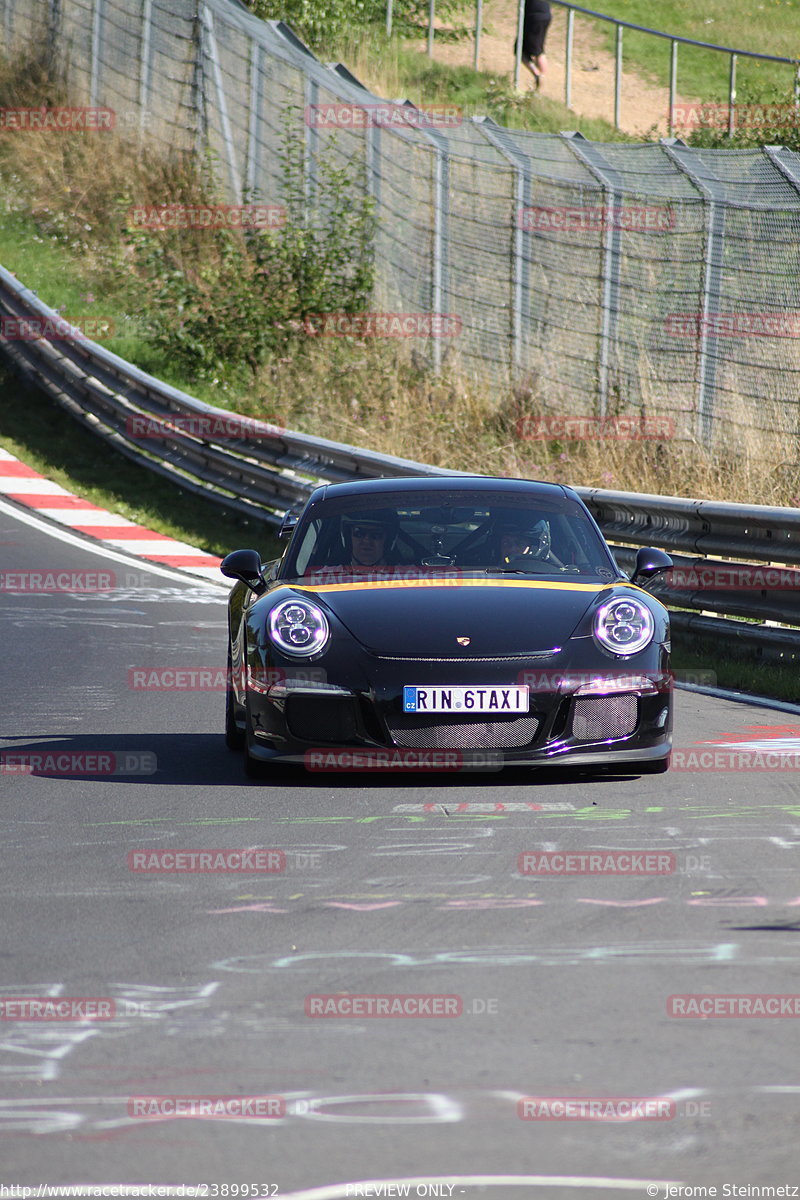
(393, 885)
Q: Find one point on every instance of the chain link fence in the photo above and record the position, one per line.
(646, 279)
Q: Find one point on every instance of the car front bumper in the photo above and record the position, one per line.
(312, 721)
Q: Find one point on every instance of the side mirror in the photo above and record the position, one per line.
(288, 524)
(246, 566)
(650, 562)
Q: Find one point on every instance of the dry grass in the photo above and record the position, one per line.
(79, 187)
(374, 395)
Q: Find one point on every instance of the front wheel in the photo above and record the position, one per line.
(234, 735)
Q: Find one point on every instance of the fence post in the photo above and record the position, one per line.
(568, 58)
(431, 15)
(388, 18)
(712, 287)
(617, 76)
(311, 148)
(199, 85)
(145, 64)
(478, 24)
(503, 141)
(97, 32)
(439, 241)
(590, 154)
(53, 31)
(673, 84)
(373, 161)
(253, 156)
(731, 95)
(222, 103)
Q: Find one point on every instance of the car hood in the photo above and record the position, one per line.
(423, 619)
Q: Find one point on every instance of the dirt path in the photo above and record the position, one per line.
(643, 103)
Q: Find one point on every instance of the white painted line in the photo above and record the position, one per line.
(25, 485)
(336, 1190)
(26, 517)
(212, 573)
(160, 548)
(83, 516)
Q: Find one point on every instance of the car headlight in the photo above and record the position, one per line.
(298, 627)
(624, 626)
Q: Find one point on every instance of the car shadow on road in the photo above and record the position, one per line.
(203, 760)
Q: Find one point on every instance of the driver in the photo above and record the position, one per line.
(518, 539)
(370, 537)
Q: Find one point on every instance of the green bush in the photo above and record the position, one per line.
(768, 120)
(323, 23)
(223, 299)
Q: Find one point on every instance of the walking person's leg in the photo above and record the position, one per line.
(535, 26)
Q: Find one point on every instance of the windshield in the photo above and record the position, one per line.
(429, 533)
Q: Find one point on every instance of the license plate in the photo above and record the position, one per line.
(427, 699)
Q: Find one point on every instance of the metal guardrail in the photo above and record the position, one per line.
(264, 476)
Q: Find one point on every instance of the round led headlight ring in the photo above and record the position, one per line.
(624, 626)
(299, 628)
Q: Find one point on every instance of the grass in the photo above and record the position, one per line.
(392, 69)
(692, 653)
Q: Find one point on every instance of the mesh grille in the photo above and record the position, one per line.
(597, 717)
(426, 734)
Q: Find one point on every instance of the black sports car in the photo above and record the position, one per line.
(436, 623)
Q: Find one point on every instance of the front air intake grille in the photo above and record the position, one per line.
(596, 718)
(426, 733)
(322, 718)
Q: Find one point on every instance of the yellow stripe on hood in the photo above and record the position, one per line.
(378, 584)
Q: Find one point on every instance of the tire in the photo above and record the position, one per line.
(234, 736)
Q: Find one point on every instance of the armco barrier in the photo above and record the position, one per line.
(264, 477)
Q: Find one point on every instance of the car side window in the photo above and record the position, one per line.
(306, 547)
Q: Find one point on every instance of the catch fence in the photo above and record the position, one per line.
(602, 279)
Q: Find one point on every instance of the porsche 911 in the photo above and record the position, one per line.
(446, 622)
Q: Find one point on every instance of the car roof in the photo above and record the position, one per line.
(442, 483)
